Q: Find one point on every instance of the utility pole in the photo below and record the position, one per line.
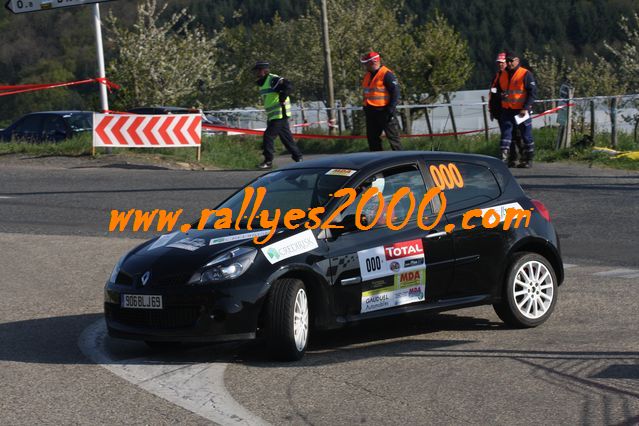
(104, 101)
(328, 68)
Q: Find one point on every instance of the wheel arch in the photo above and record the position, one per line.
(541, 247)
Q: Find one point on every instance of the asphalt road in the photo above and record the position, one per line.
(582, 366)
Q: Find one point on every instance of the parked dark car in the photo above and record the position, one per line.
(206, 118)
(218, 284)
(49, 126)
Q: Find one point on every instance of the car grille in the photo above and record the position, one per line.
(173, 317)
(124, 279)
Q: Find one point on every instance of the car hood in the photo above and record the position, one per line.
(179, 253)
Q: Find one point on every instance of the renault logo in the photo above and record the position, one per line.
(145, 277)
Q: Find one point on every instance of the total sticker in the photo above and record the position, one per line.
(391, 259)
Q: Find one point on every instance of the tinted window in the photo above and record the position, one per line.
(79, 122)
(388, 183)
(53, 125)
(31, 124)
(479, 187)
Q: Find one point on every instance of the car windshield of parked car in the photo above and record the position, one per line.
(79, 122)
(291, 189)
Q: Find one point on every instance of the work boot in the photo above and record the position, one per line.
(527, 161)
(512, 155)
(265, 165)
(505, 153)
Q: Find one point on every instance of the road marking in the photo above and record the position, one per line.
(569, 265)
(5, 197)
(197, 387)
(621, 272)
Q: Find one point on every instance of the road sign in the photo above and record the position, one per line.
(147, 131)
(22, 6)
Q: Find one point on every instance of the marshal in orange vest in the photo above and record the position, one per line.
(375, 93)
(513, 92)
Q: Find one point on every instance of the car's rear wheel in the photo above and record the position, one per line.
(287, 320)
(530, 292)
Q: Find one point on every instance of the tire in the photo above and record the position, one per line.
(162, 345)
(530, 291)
(287, 320)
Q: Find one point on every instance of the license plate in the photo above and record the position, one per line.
(141, 301)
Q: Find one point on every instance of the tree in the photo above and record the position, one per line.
(436, 62)
(549, 72)
(161, 63)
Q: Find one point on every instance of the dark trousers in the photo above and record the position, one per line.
(280, 128)
(378, 121)
(507, 124)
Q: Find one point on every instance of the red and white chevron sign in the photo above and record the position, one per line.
(147, 131)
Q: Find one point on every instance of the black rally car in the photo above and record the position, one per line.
(218, 284)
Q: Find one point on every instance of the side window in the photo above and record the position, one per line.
(30, 124)
(479, 186)
(54, 124)
(388, 183)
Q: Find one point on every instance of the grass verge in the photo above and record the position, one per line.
(244, 152)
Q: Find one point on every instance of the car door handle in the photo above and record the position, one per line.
(436, 234)
(351, 281)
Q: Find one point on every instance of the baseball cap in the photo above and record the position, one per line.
(501, 57)
(510, 54)
(261, 65)
(370, 56)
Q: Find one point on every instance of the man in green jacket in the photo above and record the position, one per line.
(275, 92)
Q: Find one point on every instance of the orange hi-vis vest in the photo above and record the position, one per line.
(513, 92)
(375, 93)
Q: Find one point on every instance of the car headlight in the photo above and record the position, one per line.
(226, 266)
(116, 269)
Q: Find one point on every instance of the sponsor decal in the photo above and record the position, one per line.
(341, 172)
(396, 290)
(501, 210)
(289, 247)
(413, 262)
(162, 240)
(238, 237)
(391, 259)
(190, 244)
(404, 249)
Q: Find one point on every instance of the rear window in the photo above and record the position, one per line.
(479, 187)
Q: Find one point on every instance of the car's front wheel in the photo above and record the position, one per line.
(530, 292)
(287, 320)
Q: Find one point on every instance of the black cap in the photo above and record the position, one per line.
(261, 65)
(511, 54)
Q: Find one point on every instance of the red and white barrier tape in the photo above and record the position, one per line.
(422, 135)
(22, 88)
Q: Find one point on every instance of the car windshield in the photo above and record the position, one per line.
(78, 122)
(292, 189)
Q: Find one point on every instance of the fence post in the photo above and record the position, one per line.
(483, 107)
(452, 116)
(571, 92)
(613, 122)
(428, 124)
(592, 120)
(340, 125)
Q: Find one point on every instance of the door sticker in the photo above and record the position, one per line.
(382, 261)
(395, 290)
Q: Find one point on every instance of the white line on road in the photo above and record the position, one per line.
(5, 197)
(197, 387)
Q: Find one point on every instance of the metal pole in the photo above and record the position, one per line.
(592, 120)
(483, 99)
(104, 101)
(567, 142)
(328, 68)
